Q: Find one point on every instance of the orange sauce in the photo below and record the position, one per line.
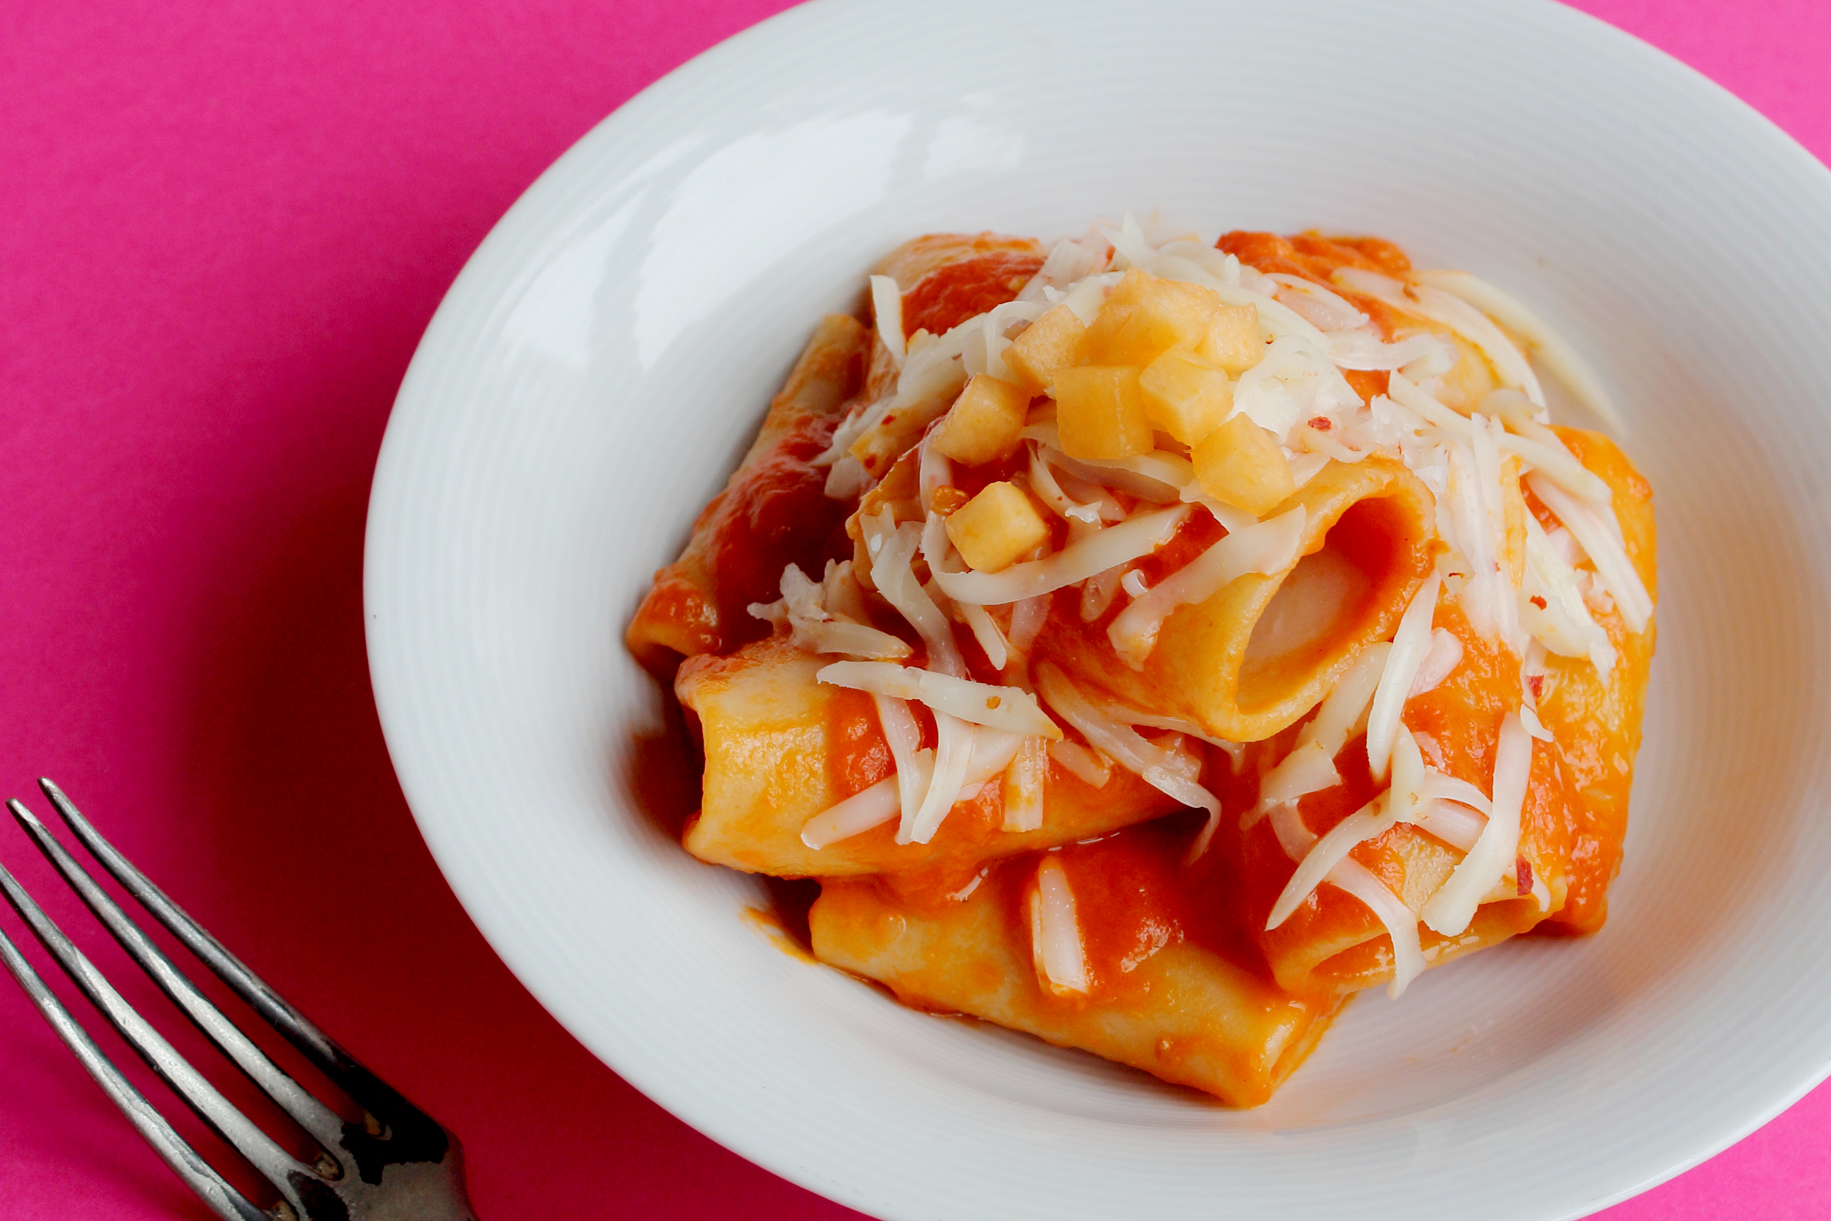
(1315, 258)
(775, 513)
(954, 292)
(857, 754)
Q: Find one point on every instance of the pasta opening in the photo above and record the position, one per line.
(1324, 606)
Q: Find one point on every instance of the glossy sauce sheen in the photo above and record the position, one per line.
(777, 514)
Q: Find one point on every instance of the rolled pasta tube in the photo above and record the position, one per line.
(1594, 719)
(782, 748)
(1256, 657)
(698, 604)
(1187, 1008)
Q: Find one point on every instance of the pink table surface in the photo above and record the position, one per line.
(222, 229)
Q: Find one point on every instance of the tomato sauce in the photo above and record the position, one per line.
(857, 754)
(775, 513)
(1316, 258)
(954, 292)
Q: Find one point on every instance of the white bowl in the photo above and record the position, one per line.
(602, 360)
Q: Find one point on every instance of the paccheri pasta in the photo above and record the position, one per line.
(1149, 645)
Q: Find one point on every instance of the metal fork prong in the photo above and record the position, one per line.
(223, 1199)
(319, 1121)
(273, 1162)
(395, 1119)
(313, 1043)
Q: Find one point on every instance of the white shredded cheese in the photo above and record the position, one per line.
(1307, 769)
(887, 306)
(1113, 547)
(1408, 773)
(1446, 309)
(1604, 549)
(1170, 772)
(802, 609)
(892, 573)
(878, 804)
(1410, 642)
(1009, 708)
(1089, 765)
(1453, 906)
(863, 810)
(1560, 618)
(1370, 820)
(904, 737)
(1401, 923)
(1343, 707)
(1024, 785)
(1044, 483)
(1440, 661)
(1268, 547)
(953, 758)
(1055, 933)
(1450, 821)
(1558, 356)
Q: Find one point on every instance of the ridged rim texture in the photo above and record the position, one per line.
(602, 360)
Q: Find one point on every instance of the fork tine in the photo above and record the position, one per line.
(413, 1133)
(318, 1120)
(275, 1164)
(211, 1187)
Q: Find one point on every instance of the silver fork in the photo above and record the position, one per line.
(396, 1164)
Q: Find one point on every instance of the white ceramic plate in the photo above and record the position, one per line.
(600, 364)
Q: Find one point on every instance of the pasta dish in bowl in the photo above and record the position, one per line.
(1201, 633)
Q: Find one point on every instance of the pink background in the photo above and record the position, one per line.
(222, 229)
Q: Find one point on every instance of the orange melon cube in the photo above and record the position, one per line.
(984, 422)
(1100, 412)
(1232, 338)
(1170, 315)
(993, 529)
(1241, 464)
(1056, 341)
(1121, 303)
(1185, 396)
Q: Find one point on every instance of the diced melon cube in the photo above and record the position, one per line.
(1121, 303)
(1185, 396)
(1100, 412)
(1171, 315)
(1233, 340)
(995, 527)
(984, 422)
(1241, 464)
(1056, 341)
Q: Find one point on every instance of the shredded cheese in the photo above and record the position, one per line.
(1055, 932)
(887, 306)
(1604, 549)
(1009, 708)
(1024, 786)
(1453, 906)
(1410, 643)
(1557, 355)
(878, 804)
(1130, 540)
(1268, 547)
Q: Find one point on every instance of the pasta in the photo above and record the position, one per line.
(1148, 644)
